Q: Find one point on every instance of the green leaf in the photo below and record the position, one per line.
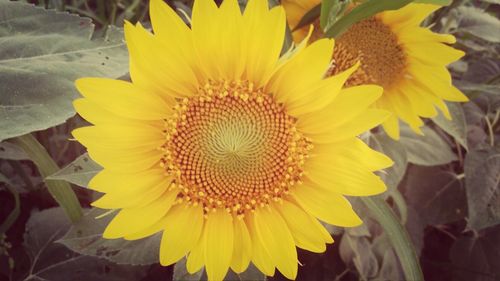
(85, 237)
(476, 258)
(478, 23)
(427, 150)
(435, 2)
(308, 17)
(42, 52)
(436, 194)
(356, 250)
(400, 240)
(78, 172)
(330, 11)
(361, 12)
(51, 261)
(389, 264)
(60, 190)
(181, 273)
(397, 152)
(482, 177)
(11, 151)
(456, 127)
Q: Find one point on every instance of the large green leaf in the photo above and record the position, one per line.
(78, 172)
(41, 54)
(427, 150)
(85, 237)
(482, 177)
(456, 127)
(396, 151)
(51, 261)
(475, 258)
(437, 195)
(478, 23)
(356, 251)
(11, 151)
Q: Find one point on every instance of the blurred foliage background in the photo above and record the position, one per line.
(444, 186)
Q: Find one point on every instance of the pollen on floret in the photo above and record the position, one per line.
(374, 44)
(233, 147)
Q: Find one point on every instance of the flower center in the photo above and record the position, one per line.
(233, 147)
(370, 41)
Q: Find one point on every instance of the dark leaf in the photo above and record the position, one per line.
(42, 53)
(85, 237)
(482, 174)
(78, 172)
(52, 261)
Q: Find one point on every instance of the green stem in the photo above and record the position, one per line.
(14, 214)
(490, 131)
(60, 190)
(400, 203)
(397, 235)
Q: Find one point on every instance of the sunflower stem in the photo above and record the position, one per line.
(60, 190)
(398, 236)
(14, 214)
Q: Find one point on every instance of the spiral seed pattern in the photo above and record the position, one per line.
(370, 41)
(233, 147)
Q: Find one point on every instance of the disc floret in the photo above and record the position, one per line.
(233, 146)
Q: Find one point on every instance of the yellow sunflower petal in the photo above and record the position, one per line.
(119, 136)
(347, 105)
(343, 175)
(354, 149)
(133, 198)
(391, 126)
(96, 114)
(148, 231)
(328, 206)
(130, 220)
(108, 181)
(269, 26)
(242, 250)
(302, 72)
(218, 244)
(182, 231)
(440, 55)
(409, 15)
(359, 124)
(441, 86)
(321, 95)
(158, 67)
(123, 98)
(276, 238)
(260, 257)
(122, 162)
(302, 227)
(196, 258)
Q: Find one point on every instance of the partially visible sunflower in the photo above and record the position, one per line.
(407, 60)
(233, 152)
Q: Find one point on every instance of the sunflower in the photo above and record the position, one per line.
(230, 150)
(407, 60)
